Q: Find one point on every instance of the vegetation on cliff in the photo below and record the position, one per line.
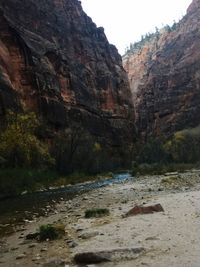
(150, 36)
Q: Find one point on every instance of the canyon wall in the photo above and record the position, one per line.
(164, 75)
(56, 62)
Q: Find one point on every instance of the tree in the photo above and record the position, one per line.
(19, 145)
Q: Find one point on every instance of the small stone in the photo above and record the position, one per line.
(43, 249)
(20, 256)
(32, 245)
(14, 248)
(88, 235)
(37, 258)
(72, 244)
(160, 189)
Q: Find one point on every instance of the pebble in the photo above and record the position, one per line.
(14, 248)
(20, 256)
(32, 245)
(37, 258)
(43, 249)
(88, 235)
(72, 244)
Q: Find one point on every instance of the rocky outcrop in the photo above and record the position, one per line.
(55, 61)
(164, 74)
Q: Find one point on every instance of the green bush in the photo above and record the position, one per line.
(47, 232)
(51, 232)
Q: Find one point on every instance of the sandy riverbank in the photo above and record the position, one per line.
(169, 238)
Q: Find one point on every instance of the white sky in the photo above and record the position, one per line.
(125, 21)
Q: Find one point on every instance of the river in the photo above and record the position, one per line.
(16, 211)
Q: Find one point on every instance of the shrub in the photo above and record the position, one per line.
(51, 232)
(47, 232)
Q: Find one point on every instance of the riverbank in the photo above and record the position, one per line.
(169, 238)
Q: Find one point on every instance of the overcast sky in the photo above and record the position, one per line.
(125, 21)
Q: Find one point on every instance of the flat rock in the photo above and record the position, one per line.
(88, 235)
(144, 210)
(108, 255)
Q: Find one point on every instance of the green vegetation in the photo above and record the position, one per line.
(19, 146)
(184, 146)
(51, 232)
(152, 152)
(94, 213)
(150, 36)
(76, 150)
(178, 153)
(30, 161)
(14, 181)
(25, 160)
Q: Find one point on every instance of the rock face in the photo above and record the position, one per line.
(164, 74)
(55, 61)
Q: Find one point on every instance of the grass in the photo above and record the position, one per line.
(96, 213)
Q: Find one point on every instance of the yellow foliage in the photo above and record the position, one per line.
(18, 144)
(179, 137)
(97, 147)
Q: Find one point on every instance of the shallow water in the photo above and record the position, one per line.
(14, 212)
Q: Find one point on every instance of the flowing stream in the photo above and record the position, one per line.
(16, 211)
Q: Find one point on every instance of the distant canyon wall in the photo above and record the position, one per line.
(164, 75)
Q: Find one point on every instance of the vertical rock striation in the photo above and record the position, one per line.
(164, 75)
(55, 61)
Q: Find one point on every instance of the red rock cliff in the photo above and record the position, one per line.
(54, 60)
(164, 74)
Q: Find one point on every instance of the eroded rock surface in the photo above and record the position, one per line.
(164, 75)
(55, 61)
